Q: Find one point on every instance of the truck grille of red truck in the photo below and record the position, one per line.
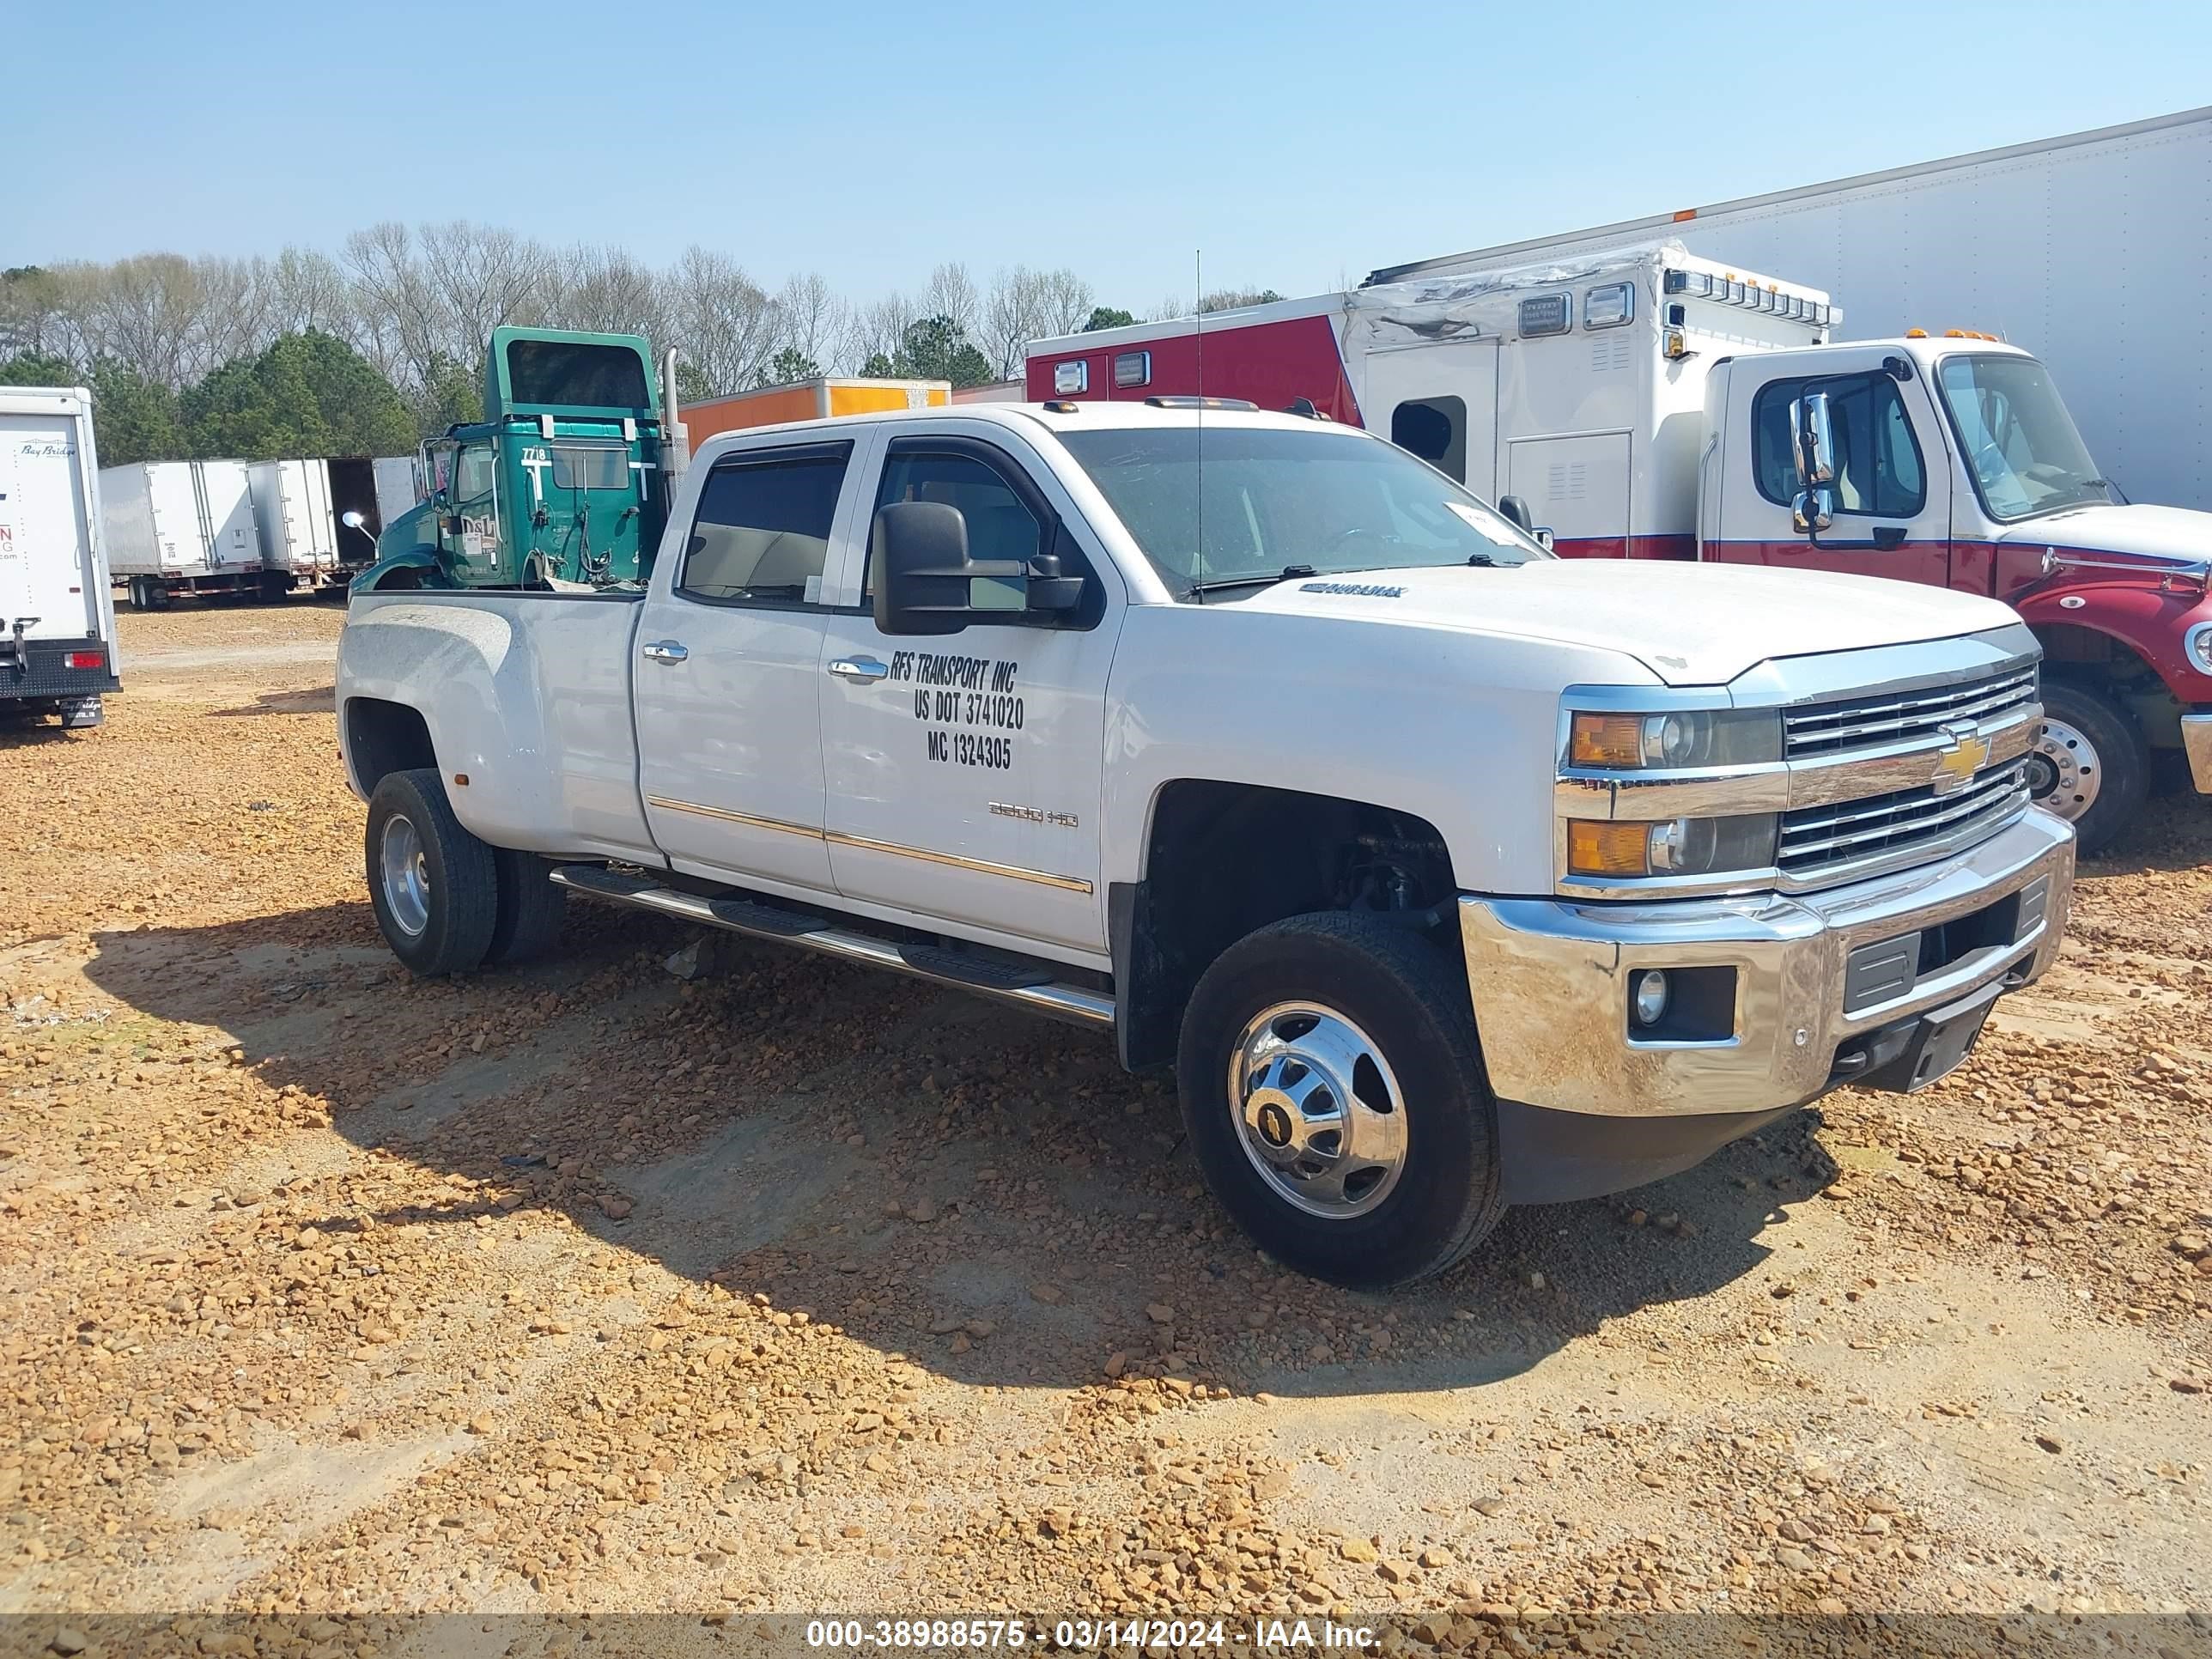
(1816, 839)
(1829, 728)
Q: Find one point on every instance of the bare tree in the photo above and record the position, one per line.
(878, 330)
(604, 289)
(150, 312)
(308, 290)
(419, 303)
(813, 319)
(35, 314)
(396, 311)
(1029, 305)
(236, 312)
(724, 324)
(483, 278)
(951, 294)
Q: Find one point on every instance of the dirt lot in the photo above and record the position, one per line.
(587, 1287)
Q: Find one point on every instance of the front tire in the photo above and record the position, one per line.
(434, 886)
(1336, 1099)
(2090, 764)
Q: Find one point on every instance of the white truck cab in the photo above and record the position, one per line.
(1447, 874)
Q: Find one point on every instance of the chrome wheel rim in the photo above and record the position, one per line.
(1318, 1110)
(405, 873)
(2063, 773)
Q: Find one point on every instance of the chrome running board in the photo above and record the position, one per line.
(990, 977)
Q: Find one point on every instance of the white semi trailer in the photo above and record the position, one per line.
(299, 535)
(180, 527)
(56, 615)
(2089, 250)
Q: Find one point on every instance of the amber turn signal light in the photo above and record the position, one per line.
(1606, 740)
(1595, 848)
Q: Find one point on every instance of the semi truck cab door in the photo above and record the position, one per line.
(469, 527)
(1892, 495)
(965, 770)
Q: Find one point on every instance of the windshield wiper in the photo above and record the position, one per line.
(1288, 572)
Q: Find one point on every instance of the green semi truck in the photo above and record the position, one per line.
(563, 485)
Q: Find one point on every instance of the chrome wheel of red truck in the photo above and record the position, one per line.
(2089, 765)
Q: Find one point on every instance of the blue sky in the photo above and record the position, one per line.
(1298, 145)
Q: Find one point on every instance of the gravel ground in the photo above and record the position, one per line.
(794, 1287)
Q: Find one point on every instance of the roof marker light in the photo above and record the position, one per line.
(1916, 333)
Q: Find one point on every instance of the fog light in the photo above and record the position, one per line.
(1650, 1000)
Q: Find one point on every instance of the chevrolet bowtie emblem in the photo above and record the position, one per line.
(1965, 752)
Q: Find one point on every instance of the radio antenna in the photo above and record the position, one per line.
(1197, 420)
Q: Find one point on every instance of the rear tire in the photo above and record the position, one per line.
(1302, 1043)
(530, 908)
(434, 886)
(2090, 764)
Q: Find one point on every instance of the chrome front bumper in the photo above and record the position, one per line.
(1550, 979)
(2197, 742)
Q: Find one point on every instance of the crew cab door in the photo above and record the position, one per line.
(965, 770)
(729, 652)
(1893, 515)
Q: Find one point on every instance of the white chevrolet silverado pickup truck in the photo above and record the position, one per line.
(1447, 875)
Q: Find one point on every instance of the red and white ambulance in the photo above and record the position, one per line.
(1645, 403)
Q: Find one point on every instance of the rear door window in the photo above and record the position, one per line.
(761, 533)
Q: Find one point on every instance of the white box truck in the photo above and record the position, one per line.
(2086, 249)
(56, 615)
(180, 527)
(299, 534)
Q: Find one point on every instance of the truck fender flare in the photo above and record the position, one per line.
(2139, 622)
(423, 566)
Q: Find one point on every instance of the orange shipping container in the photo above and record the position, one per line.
(809, 400)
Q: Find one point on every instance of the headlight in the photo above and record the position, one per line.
(2197, 647)
(1683, 738)
(1613, 848)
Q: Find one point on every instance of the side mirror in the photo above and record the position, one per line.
(1811, 510)
(1815, 440)
(926, 583)
(1513, 507)
(1542, 532)
(351, 520)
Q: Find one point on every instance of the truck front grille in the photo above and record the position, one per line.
(1887, 717)
(1816, 839)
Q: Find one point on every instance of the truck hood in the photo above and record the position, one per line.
(2158, 534)
(1690, 624)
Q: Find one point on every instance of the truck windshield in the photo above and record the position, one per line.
(2020, 442)
(1268, 501)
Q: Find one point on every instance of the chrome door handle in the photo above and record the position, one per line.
(861, 670)
(665, 651)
